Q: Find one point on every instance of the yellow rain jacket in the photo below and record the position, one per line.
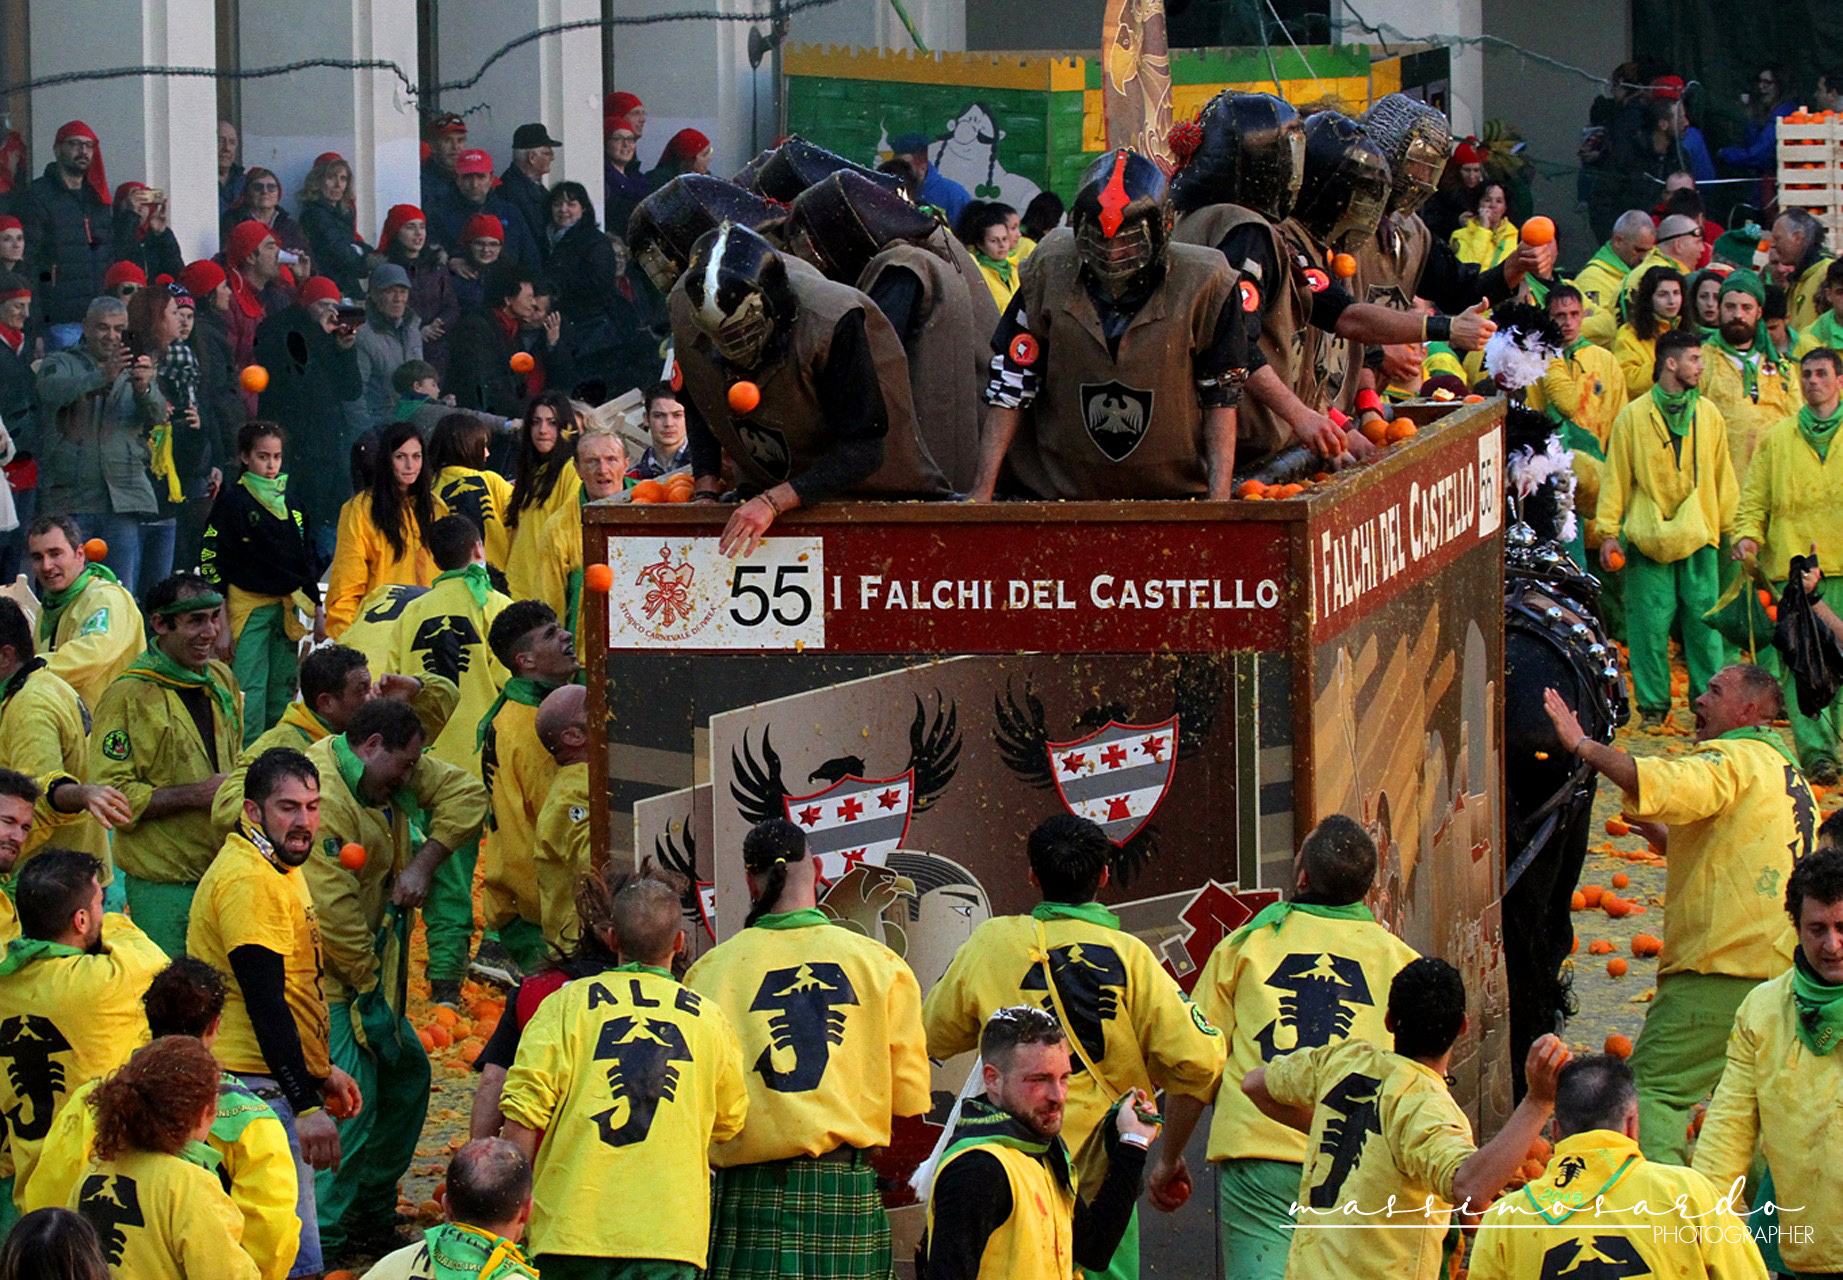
(43, 735)
(1748, 417)
(481, 496)
(559, 568)
(1599, 282)
(1670, 506)
(164, 1217)
(375, 626)
(93, 638)
(441, 634)
(1291, 981)
(363, 561)
(1805, 299)
(528, 533)
(1791, 499)
(1587, 388)
(629, 1044)
(1037, 1242)
(810, 1098)
(1144, 1032)
(1740, 813)
(1637, 361)
(517, 771)
(1483, 246)
(563, 853)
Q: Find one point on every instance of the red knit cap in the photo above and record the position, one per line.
(394, 220)
(483, 226)
(124, 273)
(245, 239)
(327, 157)
(318, 289)
(122, 191)
(98, 181)
(611, 123)
(202, 278)
(9, 223)
(1466, 153)
(685, 145)
(620, 103)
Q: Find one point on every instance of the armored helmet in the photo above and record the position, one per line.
(1415, 139)
(739, 294)
(797, 164)
(666, 224)
(1122, 220)
(842, 221)
(1346, 184)
(1251, 153)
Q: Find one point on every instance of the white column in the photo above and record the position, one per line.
(1436, 21)
(154, 129)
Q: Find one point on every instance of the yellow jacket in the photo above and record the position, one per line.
(1791, 499)
(629, 1043)
(1037, 1242)
(163, 1217)
(251, 1145)
(1637, 360)
(1418, 1138)
(372, 631)
(527, 534)
(1740, 813)
(563, 854)
(559, 567)
(1588, 389)
(517, 771)
(98, 636)
(1482, 246)
(1000, 287)
(1148, 1034)
(1602, 1209)
(43, 735)
(145, 738)
(1669, 506)
(441, 634)
(1768, 1062)
(1656, 258)
(1308, 981)
(78, 1017)
(244, 900)
(1599, 282)
(363, 561)
(1748, 417)
(483, 497)
(810, 1096)
(1805, 300)
(350, 904)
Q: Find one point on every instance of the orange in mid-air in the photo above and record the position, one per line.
(523, 362)
(254, 379)
(598, 578)
(96, 549)
(1618, 1046)
(744, 397)
(352, 856)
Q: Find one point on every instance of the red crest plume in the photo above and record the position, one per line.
(1183, 140)
(1114, 198)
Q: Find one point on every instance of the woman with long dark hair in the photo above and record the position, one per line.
(1657, 305)
(464, 484)
(53, 1244)
(381, 529)
(581, 261)
(546, 482)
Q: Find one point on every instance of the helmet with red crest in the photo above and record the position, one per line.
(1122, 221)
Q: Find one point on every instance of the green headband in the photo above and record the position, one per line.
(190, 604)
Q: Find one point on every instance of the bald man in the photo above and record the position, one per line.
(1634, 236)
(562, 852)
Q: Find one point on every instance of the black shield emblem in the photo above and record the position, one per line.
(767, 447)
(1117, 417)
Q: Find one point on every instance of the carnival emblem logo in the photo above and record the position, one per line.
(1118, 775)
(1117, 417)
(668, 594)
(854, 820)
(671, 605)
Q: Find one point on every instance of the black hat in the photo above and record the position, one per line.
(1345, 186)
(533, 135)
(665, 227)
(844, 220)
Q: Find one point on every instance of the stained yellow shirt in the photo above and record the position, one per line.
(632, 1078)
(442, 633)
(1791, 499)
(1669, 505)
(1805, 300)
(559, 556)
(1748, 417)
(527, 534)
(810, 1095)
(42, 733)
(162, 1217)
(364, 560)
(1588, 389)
(517, 771)
(96, 638)
(563, 852)
(1739, 814)
(1599, 284)
(375, 625)
(1637, 360)
(1413, 1139)
(1312, 981)
(481, 496)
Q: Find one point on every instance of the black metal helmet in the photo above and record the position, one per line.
(797, 164)
(1122, 220)
(1416, 140)
(745, 176)
(842, 221)
(739, 293)
(1252, 153)
(1346, 184)
(667, 223)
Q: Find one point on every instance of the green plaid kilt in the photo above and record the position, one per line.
(799, 1219)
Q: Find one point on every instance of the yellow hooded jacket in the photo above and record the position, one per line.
(517, 770)
(441, 635)
(44, 734)
(1637, 361)
(97, 637)
(528, 533)
(1791, 499)
(562, 855)
(1588, 389)
(162, 1217)
(363, 561)
(1805, 300)
(1669, 506)
(1748, 417)
(1599, 284)
(634, 1044)
(559, 567)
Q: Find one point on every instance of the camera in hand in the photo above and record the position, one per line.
(351, 314)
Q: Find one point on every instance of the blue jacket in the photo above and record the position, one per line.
(71, 235)
(944, 194)
(520, 246)
(1759, 152)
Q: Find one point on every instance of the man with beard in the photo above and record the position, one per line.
(1743, 373)
(257, 923)
(70, 1000)
(168, 730)
(1003, 1201)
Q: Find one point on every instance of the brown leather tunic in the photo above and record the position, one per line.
(947, 359)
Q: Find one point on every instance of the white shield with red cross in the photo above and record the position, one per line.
(1118, 775)
(854, 820)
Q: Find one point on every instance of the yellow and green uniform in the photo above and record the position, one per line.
(366, 942)
(375, 627)
(1297, 976)
(517, 771)
(79, 1017)
(1599, 282)
(1774, 1059)
(146, 737)
(481, 496)
(1805, 295)
(164, 1217)
(1602, 1209)
(1753, 390)
(1668, 489)
(1037, 1242)
(562, 853)
(1000, 274)
(632, 1044)
(442, 635)
(1484, 246)
(1656, 258)
(1584, 389)
(1414, 1138)
(1825, 331)
(89, 632)
(42, 735)
(527, 534)
(364, 560)
(252, 1154)
(1740, 814)
(1637, 360)
(558, 581)
(455, 1251)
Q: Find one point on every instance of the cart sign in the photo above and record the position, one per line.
(681, 592)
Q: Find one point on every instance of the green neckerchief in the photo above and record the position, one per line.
(1275, 914)
(352, 773)
(54, 603)
(1827, 331)
(1819, 1005)
(1818, 432)
(1000, 267)
(479, 586)
(804, 918)
(155, 667)
(205, 1157)
(237, 1109)
(1605, 256)
(270, 495)
(1677, 407)
(1092, 912)
(460, 1252)
(634, 966)
(523, 690)
(21, 952)
(1760, 356)
(984, 1125)
(1573, 348)
(1756, 734)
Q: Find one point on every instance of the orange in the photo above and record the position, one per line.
(1599, 947)
(254, 379)
(1618, 827)
(428, 1040)
(1539, 230)
(523, 362)
(1474, 398)
(446, 1017)
(470, 1049)
(1615, 560)
(1579, 901)
(598, 578)
(1575, 947)
(647, 491)
(440, 1037)
(95, 549)
(678, 488)
(1539, 1150)
(744, 397)
(1400, 430)
(1617, 1045)
(1286, 491)
(352, 856)
(1375, 430)
(1616, 907)
(1591, 893)
(1251, 489)
(1646, 944)
(1621, 880)
(1616, 967)
(1344, 266)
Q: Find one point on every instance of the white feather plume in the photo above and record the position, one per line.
(1516, 358)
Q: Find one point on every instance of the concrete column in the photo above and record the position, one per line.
(366, 116)
(555, 81)
(1437, 21)
(154, 129)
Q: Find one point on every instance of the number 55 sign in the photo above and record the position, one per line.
(679, 592)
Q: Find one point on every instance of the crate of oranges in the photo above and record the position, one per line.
(673, 487)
